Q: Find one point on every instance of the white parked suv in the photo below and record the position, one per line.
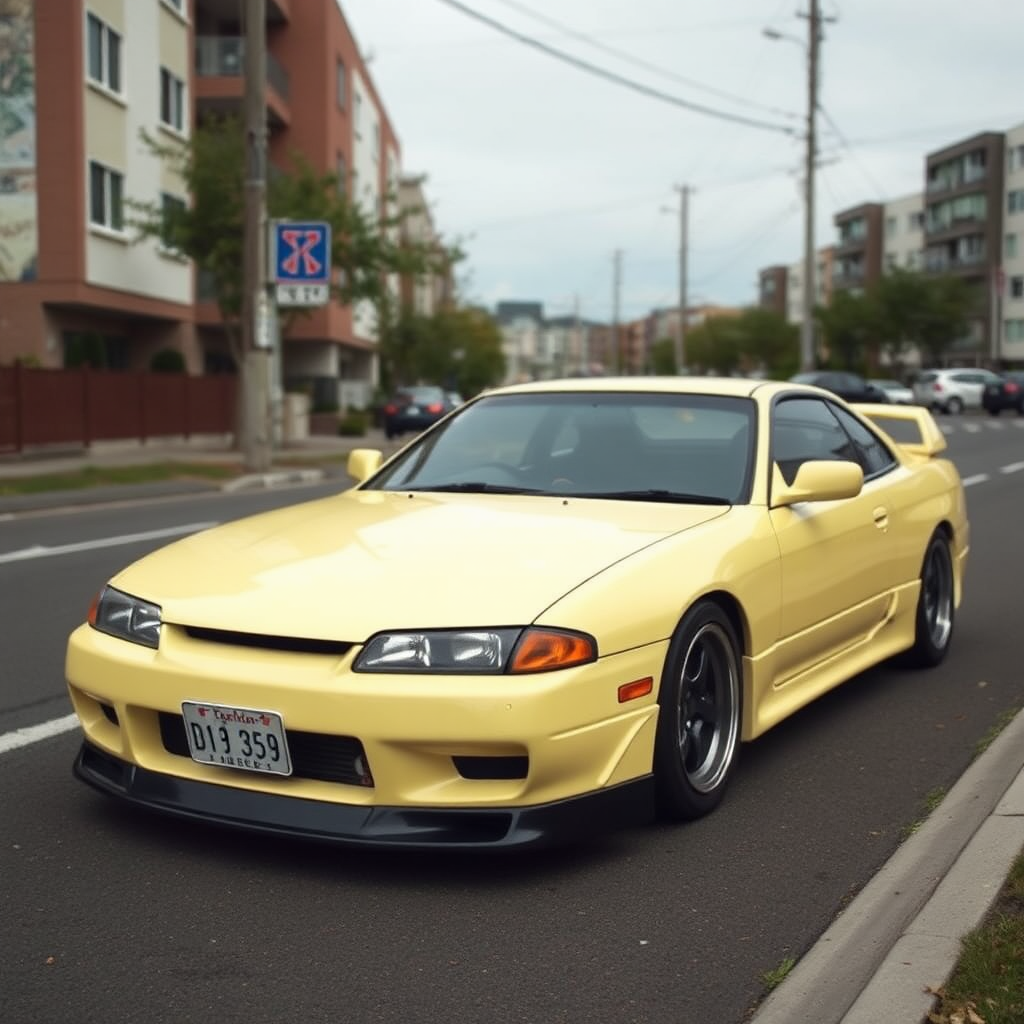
(952, 390)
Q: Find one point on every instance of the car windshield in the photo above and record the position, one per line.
(421, 395)
(622, 446)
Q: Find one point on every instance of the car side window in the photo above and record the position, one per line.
(804, 430)
(875, 456)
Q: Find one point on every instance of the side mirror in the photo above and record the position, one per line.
(363, 463)
(817, 481)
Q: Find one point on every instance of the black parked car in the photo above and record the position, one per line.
(414, 408)
(1007, 393)
(851, 387)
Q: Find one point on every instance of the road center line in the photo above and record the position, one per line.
(34, 733)
(978, 478)
(1013, 467)
(41, 551)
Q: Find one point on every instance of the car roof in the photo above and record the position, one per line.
(733, 387)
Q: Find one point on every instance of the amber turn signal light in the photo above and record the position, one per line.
(637, 688)
(541, 650)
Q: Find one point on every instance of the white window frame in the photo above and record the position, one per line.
(176, 101)
(109, 221)
(111, 59)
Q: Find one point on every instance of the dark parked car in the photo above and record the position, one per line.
(414, 408)
(849, 386)
(1007, 393)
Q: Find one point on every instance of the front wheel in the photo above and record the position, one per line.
(935, 605)
(698, 734)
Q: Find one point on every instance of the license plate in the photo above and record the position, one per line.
(242, 738)
(412, 410)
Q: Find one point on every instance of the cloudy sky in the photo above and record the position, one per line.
(543, 171)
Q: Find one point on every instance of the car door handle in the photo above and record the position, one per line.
(881, 517)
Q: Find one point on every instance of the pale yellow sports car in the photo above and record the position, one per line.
(561, 609)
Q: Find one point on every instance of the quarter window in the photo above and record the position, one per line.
(106, 192)
(875, 457)
(104, 57)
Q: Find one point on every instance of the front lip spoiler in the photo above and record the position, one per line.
(408, 828)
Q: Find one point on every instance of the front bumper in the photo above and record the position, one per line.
(422, 828)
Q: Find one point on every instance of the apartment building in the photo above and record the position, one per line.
(824, 271)
(322, 103)
(858, 250)
(95, 74)
(772, 283)
(427, 293)
(963, 228)
(903, 233)
(1010, 290)
(91, 76)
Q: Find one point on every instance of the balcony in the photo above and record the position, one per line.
(223, 58)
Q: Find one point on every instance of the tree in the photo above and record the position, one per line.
(663, 357)
(946, 317)
(457, 347)
(850, 326)
(365, 248)
(767, 342)
(713, 346)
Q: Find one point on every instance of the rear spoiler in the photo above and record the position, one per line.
(911, 427)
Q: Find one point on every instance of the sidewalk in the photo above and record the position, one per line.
(307, 461)
(897, 939)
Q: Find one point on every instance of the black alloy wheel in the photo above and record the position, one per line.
(698, 734)
(935, 605)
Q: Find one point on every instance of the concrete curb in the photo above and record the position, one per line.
(901, 935)
(277, 478)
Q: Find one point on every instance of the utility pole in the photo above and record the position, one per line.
(807, 354)
(255, 377)
(684, 214)
(616, 285)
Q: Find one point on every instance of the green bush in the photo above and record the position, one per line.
(353, 424)
(167, 360)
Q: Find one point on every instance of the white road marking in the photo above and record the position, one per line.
(993, 425)
(1013, 467)
(947, 429)
(40, 551)
(1018, 422)
(6, 516)
(978, 478)
(34, 733)
(971, 428)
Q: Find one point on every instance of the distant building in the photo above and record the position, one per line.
(1010, 278)
(858, 250)
(773, 289)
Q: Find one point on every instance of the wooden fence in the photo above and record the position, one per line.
(77, 407)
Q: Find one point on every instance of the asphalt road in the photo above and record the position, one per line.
(111, 915)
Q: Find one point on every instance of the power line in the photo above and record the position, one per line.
(617, 79)
(639, 62)
(845, 144)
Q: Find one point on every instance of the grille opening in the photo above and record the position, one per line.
(292, 644)
(492, 767)
(109, 714)
(314, 755)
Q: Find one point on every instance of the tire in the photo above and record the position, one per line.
(933, 630)
(698, 734)
(955, 406)
(994, 412)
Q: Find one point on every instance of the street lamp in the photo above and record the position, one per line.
(807, 325)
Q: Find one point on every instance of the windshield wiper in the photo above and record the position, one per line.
(655, 494)
(473, 487)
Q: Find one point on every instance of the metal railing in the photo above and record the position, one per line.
(225, 56)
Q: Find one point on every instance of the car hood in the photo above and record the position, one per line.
(345, 567)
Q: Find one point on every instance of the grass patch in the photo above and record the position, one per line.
(932, 800)
(987, 984)
(775, 977)
(989, 738)
(103, 476)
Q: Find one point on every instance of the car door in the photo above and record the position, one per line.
(833, 554)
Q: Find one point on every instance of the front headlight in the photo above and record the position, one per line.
(129, 618)
(476, 651)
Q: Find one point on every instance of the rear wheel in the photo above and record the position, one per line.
(935, 605)
(955, 406)
(698, 735)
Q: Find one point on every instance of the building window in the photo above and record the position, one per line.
(913, 260)
(170, 207)
(376, 141)
(891, 261)
(1015, 330)
(1015, 201)
(1015, 157)
(341, 84)
(891, 226)
(1010, 247)
(1017, 287)
(104, 57)
(106, 192)
(342, 173)
(358, 116)
(172, 100)
(915, 220)
(176, 4)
